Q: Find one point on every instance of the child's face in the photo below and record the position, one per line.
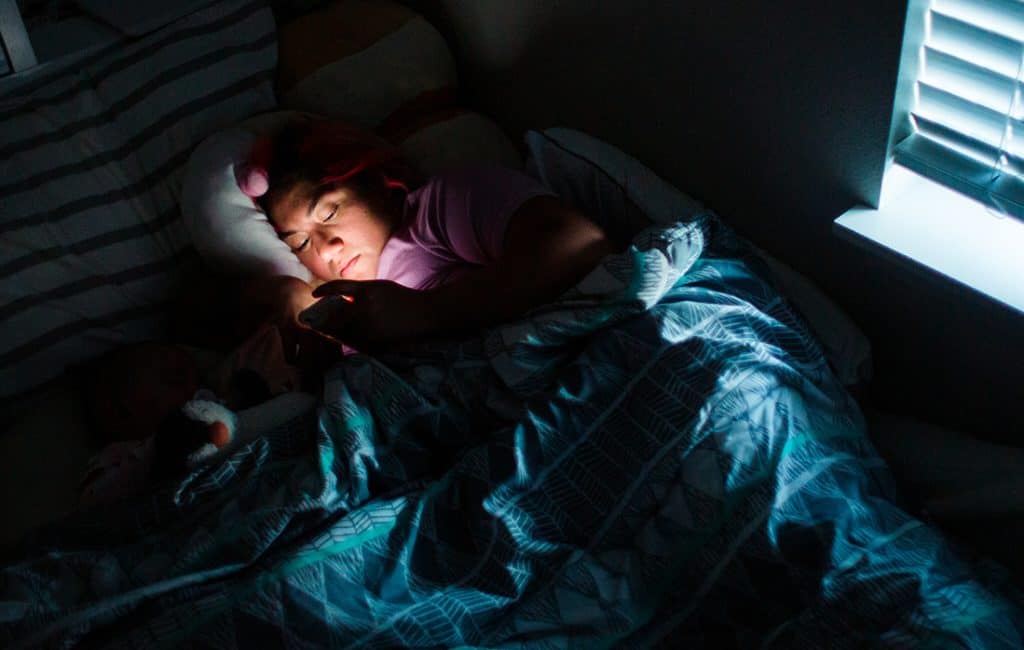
(336, 235)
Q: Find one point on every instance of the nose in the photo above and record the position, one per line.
(330, 247)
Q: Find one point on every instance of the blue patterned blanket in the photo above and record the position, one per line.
(662, 457)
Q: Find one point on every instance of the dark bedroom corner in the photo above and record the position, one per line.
(511, 323)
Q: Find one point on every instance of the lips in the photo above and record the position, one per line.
(348, 267)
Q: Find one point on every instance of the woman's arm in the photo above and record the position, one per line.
(547, 248)
(219, 312)
(275, 298)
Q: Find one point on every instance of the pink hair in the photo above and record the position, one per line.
(335, 150)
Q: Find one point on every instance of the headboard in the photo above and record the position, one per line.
(36, 32)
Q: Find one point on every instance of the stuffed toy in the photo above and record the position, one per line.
(192, 434)
(200, 432)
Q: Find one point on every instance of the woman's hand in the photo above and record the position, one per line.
(369, 313)
(277, 299)
(290, 296)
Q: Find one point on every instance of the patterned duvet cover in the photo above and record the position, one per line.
(661, 457)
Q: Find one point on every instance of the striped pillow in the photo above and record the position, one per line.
(455, 138)
(92, 151)
(373, 63)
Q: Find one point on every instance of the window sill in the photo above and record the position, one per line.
(934, 227)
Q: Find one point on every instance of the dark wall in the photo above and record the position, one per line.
(777, 116)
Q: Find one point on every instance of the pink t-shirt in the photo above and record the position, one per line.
(454, 222)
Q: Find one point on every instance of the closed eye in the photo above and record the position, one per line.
(331, 215)
(301, 247)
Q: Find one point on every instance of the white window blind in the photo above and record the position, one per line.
(968, 112)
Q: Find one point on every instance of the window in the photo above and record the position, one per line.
(943, 209)
(968, 106)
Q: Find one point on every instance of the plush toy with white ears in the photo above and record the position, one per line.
(196, 433)
(193, 434)
(203, 427)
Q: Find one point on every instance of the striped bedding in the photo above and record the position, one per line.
(92, 149)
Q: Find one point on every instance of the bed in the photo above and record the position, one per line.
(666, 455)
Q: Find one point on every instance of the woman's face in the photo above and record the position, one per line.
(335, 234)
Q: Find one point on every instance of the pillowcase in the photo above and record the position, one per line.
(372, 63)
(93, 148)
(137, 18)
(601, 180)
(447, 140)
(226, 227)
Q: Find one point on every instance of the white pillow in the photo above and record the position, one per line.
(602, 180)
(225, 226)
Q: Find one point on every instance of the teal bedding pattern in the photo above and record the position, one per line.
(660, 458)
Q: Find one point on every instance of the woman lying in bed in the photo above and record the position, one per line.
(390, 264)
(393, 262)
